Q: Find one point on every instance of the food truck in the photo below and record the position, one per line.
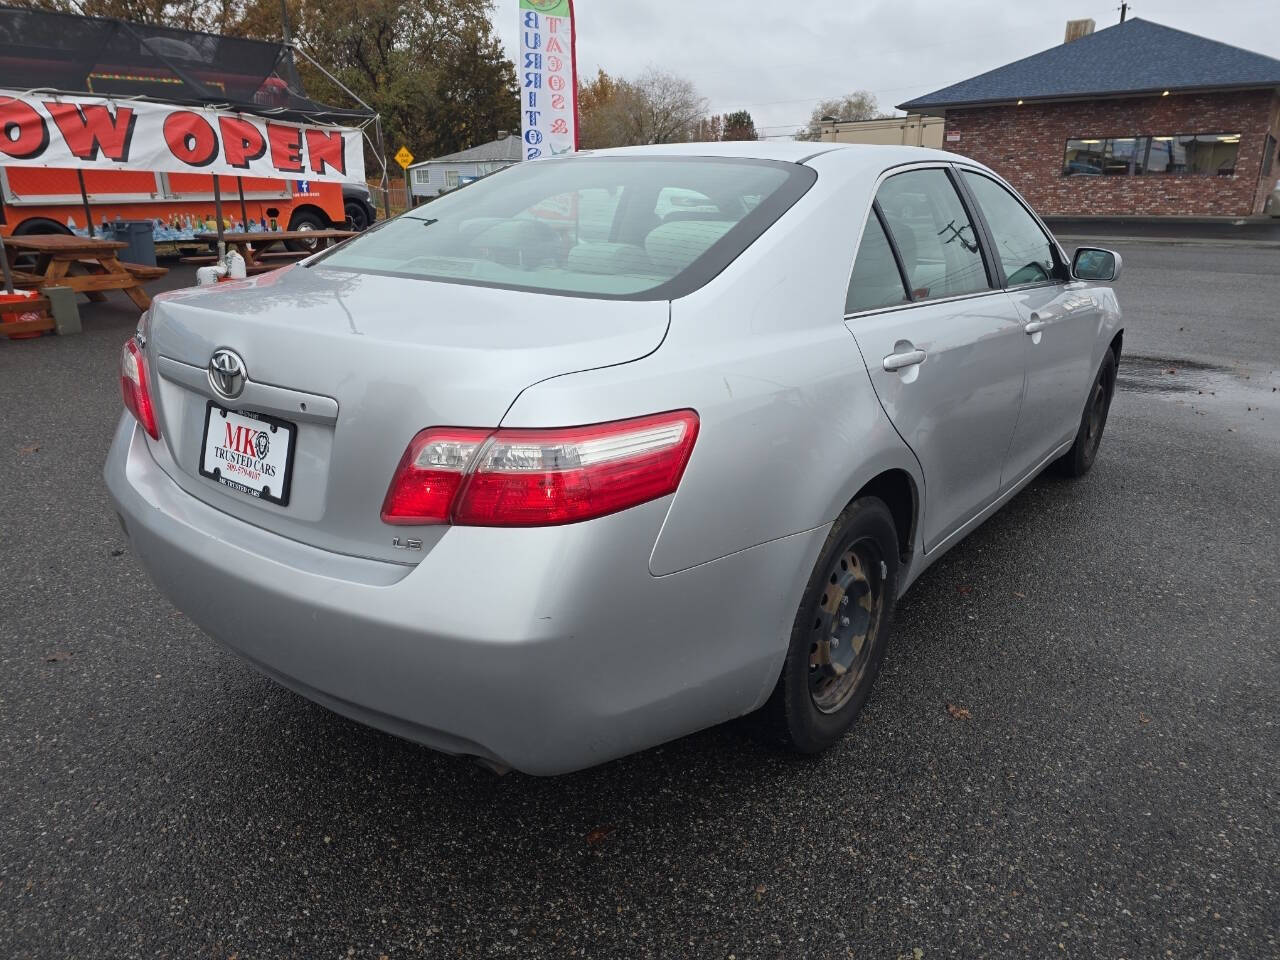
(108, 120)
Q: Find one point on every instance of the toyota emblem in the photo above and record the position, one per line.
(226, 374)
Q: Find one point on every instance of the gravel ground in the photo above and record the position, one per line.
(1072, 751)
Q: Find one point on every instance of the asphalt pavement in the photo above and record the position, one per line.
(1073, 749)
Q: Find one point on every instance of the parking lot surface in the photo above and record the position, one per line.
(1073, 749)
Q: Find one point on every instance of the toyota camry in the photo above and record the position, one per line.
(605, 449)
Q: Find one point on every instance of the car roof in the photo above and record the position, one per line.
(794, 151)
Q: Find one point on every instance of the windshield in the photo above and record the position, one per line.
(612, 227)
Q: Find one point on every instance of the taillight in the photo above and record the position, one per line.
(429, 475)
(136, 388)
(533, 478)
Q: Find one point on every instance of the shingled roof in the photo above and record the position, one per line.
(1134, 57)
(508, 148)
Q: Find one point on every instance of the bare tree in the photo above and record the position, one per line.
(656, 107)
(859, 105)
(669, 107)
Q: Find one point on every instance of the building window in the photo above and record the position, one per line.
(422, 175)
(1202, 154)
(450, 179)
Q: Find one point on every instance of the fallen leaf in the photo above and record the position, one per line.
(960, 713)
(58, 657)
(964, 588)
(1171, 370)
(1143, 718)
(30, 448)
(1017, 594)
(598, 835)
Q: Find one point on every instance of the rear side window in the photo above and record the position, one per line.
(612, 227)
(935, 237)
(875, 282)
(1025, 252)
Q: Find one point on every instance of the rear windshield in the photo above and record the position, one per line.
(613, 227)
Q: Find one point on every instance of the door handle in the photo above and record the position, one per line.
(1035, 326)
(900, 361)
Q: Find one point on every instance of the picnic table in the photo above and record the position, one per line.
(98, 260)
(253, 246)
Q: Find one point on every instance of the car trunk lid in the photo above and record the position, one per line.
(358, 363)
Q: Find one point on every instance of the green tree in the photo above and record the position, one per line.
(859, 105)
(739, 126)
(434, 69)
(215, 16)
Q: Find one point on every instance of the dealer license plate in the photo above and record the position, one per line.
(249, 452)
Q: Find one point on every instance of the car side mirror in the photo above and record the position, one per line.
(1094, 263)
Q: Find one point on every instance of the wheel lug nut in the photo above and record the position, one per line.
(844, 601)
(844, 621)
(835, 642)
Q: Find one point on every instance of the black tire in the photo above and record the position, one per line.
(35, 226)
(813, 706)
(305, 220)
(1077, 461)
(357, 215)
(38, 226)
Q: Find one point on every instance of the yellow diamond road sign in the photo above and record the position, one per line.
(404, 157)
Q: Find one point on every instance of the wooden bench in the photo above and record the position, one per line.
(283, 255)
(200, 261)
(144, 272)
(21, 278)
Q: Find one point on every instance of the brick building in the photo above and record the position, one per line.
(1134, 120)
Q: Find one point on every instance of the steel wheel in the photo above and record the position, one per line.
(848, 614)
(1077, 461)
(1097, 419)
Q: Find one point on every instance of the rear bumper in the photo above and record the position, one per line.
(546, 650)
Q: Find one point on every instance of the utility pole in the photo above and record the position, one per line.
(1124, 10)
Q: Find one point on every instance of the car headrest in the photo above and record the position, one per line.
(673, 246)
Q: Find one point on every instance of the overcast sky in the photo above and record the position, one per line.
(777, 58)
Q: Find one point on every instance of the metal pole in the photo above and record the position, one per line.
(217, 212)
(385, 185)
(244, 213)
(84, 198)
(4, 264)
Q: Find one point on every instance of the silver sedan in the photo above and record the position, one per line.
(602, 450)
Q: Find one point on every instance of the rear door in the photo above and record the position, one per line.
(943, 344)
(1060, 324)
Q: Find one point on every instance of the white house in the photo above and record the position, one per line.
(430, 178)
